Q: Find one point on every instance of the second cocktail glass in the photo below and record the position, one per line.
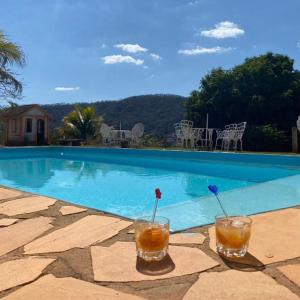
(232, 235)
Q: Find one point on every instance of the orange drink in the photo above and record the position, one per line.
(232, 235)
(152, 238)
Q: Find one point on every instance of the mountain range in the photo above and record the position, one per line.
(157, 112)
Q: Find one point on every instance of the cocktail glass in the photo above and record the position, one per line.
(232, 235)
(152, 238)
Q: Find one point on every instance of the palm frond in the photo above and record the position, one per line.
(10, 53)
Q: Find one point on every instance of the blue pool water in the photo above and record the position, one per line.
(122, 181)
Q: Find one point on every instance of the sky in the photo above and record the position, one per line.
(93, 50)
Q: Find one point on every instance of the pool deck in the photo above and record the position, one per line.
(52, 249)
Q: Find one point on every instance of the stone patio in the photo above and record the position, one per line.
(51, 249)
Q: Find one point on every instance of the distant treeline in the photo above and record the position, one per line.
(157, 112)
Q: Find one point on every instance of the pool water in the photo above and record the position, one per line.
(123, 182)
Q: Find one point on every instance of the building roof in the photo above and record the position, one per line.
(16, 111)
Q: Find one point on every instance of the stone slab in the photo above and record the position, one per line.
(6, 222)
(19, 234)
(292, 272)
(49, 288)
(80, 234)
(274, 237)
(20, 271)
(25, 205)
(69, 210)
(6, 194)
(232, 284)
(187, 238)
(118, 263)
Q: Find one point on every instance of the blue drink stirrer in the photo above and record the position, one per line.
(214, 190)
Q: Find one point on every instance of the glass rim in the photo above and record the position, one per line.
(157, 219)
(222, 216)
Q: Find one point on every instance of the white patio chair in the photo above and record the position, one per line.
(298, 123)
(228, 138)
(220, 136)
(179, 135)
(232, 135)
(136, 133)
(240, 129)
(115, 137)
(198, 137)
(187, 133)
(105, 131)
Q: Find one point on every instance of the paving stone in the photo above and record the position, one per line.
(274, 237)
(187, 238)
(80, 234)
(6, 193)
(6, 222)
(69, 210)
(49, 288)
(232, 284)
(19, 234)
(20, 271)
(118, 263)
(292, 272)
(25, 205)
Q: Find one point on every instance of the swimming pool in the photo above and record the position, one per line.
(122, 181)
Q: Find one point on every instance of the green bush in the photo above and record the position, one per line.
(149, 140)
(266, 138)
(54, 137)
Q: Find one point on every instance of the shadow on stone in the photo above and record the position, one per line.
(248, 263)
(155, 268)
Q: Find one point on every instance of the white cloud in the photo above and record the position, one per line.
(117, 59)
(67, 89)
(298, 45)
(223, 30)
(191, 3)
(131, 48)
(103, 46)
(201, 50)
(155, 56)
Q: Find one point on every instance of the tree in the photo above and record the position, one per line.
(82, 123)
(10, 55)
(264, 91)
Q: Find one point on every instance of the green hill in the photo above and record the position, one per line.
(157, 112)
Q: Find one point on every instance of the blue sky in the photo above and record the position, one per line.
(89, 50)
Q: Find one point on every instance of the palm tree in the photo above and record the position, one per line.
(82, 123)
(10, 54)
